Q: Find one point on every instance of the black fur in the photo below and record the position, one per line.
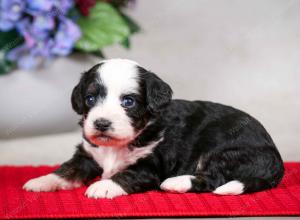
(228, 143)
(88, 85)
(229, 148)
(81, 167)
(158, 93)
(138, 114)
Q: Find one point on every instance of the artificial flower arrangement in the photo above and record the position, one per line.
(34, 32)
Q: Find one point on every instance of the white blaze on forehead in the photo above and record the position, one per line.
(119, 77)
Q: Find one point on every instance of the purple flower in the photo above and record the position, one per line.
(66, 36)
(39, 28)
(46, 31)
(31, 57)
(49, 7)
(42, 26)
(24, 28)
(22, 57)
(63, 6)
(37, 50)
(40, 5)
(10, 12)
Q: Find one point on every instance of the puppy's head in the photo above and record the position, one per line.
(117, 99)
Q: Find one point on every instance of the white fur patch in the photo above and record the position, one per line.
(179, 184)
(120, 77)
(104, 189)
(115, 159)
(50, 182)
(231, 188)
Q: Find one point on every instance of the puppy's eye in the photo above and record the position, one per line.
(128, 102)
(90, 100)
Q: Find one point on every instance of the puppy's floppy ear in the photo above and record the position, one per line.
(76, 99)
(158, 93)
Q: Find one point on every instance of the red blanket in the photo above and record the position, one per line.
(17, 203)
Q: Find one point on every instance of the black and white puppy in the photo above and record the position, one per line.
(136, 138)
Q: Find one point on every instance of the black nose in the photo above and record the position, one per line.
(102, 124)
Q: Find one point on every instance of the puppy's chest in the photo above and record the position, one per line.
(113, 160)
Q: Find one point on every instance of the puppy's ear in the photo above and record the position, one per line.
(158, 93)
(76, 99)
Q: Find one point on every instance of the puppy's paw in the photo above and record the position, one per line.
(104, 189)
(179, 184)
(233, 187)
(48, 183)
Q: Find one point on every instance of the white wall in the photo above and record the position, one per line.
(38, 102)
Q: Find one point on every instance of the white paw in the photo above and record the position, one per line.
(180, 184)
(48, 183)
(104, 189)
(233, 187)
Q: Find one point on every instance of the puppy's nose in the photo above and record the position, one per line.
(102, 124)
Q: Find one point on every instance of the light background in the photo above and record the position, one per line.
(240, 53)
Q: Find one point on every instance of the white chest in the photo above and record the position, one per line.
(115, 159)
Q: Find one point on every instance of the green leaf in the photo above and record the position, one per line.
(104, 26)
(126, 43)
(133, 26)
(99, 54)
(8, 41)
(73, 14)
(5, 66)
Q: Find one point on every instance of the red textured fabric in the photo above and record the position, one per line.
(17, 203)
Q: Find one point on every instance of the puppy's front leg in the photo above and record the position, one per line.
(132, 180)
(71, 174)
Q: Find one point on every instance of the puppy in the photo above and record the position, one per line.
(136, 138)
